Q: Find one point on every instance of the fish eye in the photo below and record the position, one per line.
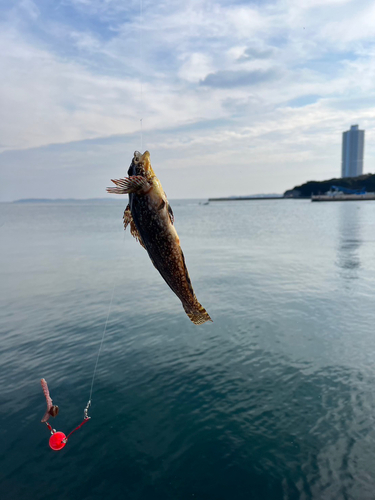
(137, 156)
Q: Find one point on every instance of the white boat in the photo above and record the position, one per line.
(339, 196)
(340, 193)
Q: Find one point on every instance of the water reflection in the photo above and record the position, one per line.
(350, 239)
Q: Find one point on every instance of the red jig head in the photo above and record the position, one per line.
(57, 441)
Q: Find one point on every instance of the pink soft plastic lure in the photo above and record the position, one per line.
(52, 410)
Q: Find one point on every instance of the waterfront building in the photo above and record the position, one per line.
(353, 144)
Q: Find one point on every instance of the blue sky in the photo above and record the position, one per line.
(235, 97)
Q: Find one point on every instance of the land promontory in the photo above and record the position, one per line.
(366, 181)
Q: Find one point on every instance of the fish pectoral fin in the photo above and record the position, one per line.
(135, 233)
(132, 184)
(127, 218)
(170, 212)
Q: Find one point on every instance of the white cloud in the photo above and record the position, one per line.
(195, 67)
(47, 100)
(359, 25)
(245, 21)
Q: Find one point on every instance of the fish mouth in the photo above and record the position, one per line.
(142, 163)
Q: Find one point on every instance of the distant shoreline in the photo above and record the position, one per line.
(63, 200)
(121, 200)
(242, 198)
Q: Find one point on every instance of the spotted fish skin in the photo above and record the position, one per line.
(151, 222)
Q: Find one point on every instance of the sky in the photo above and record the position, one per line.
(229, 97)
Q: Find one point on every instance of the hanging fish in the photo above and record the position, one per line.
(151, 223)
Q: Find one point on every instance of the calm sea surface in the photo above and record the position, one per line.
(274, 400)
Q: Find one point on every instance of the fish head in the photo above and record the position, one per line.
(141, 165)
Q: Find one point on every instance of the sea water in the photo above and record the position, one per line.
(273, 400)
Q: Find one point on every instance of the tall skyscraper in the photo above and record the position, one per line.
(353, 144)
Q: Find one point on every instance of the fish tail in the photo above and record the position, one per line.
(197, 313)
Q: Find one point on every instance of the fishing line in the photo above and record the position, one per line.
(101, 345)
(141, 130)
(141, 133)
(102, 340)
(141, 66)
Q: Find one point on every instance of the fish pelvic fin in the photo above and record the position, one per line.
(135, 233)
(197, 313)
(128, 219)
(133, 184)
